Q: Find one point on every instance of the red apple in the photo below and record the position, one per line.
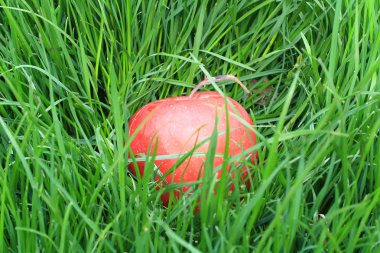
(177, 124)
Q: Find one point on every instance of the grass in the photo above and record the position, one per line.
(72, 73)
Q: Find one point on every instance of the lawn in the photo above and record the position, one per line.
(72, 73)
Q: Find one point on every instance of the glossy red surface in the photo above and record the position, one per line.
(177, 124)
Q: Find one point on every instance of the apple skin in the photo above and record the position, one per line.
(177, 124)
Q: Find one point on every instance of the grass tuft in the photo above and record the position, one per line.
(73, 72)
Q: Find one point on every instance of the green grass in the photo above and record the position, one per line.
(72, 73)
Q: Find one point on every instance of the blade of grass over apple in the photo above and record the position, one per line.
(208, 175)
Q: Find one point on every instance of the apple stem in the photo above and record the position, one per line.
(218, 79)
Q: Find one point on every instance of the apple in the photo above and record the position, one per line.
(177, 124)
